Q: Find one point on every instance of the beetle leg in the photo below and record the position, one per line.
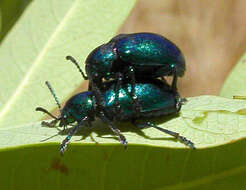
(136, 104)
(89, 87)
(98, 95)
(49, 124)
(174, 134)
(174, 83)
(116, 131)
(65, 142)
(74, 130)
(119, 78)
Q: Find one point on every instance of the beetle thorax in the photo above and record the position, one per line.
(99, 62)
(78, 107)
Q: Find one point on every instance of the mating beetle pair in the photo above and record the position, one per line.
(132, 61)
(132, 56)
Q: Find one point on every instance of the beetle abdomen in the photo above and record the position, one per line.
(155, 98)
(150, 50)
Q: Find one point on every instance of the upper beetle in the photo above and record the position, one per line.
(137, 55)
(149, 55)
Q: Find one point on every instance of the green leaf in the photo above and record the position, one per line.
(35, 49)
(153, 160)
(235, 83)
(206, 120)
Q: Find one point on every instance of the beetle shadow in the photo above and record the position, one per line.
(102, 131)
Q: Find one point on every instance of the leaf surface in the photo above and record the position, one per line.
(235, 84)
(153, 160)
(205, 120)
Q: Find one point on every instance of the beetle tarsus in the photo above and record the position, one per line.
(174, 134)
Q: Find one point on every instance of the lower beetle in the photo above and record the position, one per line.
(155, 97)
(133, 56)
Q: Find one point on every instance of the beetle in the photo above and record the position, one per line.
(155, 97)
(132, 56)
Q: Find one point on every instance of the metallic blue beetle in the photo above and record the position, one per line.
(156, 98)
(133, 56)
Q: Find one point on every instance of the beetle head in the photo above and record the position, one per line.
(77, 108)
(99, 62)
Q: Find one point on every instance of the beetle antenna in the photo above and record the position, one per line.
(53, 94)
(70, 58)
(45, 111)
